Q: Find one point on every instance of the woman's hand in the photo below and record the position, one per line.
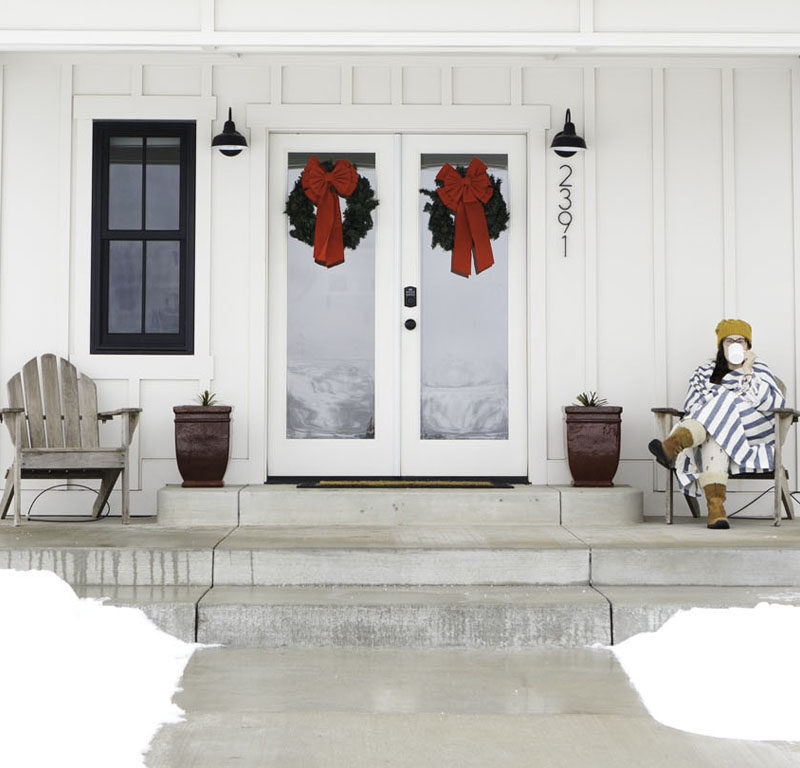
(749, 359)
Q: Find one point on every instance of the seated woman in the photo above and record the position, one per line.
(726, 426)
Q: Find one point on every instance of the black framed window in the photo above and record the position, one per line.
(143, 177)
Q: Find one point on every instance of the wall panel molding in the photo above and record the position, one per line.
(591, 373)
(795, 97)
(729, 295)
(659, 241)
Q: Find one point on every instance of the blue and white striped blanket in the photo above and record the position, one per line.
(734, 413)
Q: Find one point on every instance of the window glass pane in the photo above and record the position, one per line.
(464, 329)
(125, 182)
(163, 199)
(124, 286)
(162, 300)
(331, 329)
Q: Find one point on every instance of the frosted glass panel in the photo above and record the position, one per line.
(163, 287)
(124, 286)
(163, 200)
(464, 326)
(330, 384)
(125, 182)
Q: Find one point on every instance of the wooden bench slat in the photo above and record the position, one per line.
(33, 403)
(87, 397)
(52, 402)
(73, 460)
(69, 405)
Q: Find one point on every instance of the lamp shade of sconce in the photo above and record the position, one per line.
(230, 142)
(566, 143)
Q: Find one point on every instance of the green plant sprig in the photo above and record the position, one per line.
(591, 400)
(206, 398)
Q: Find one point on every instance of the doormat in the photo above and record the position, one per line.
(405, 484)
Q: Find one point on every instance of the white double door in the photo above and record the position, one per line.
(389, 363)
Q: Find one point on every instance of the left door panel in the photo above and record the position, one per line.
(332, 386)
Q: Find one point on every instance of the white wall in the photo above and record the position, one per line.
(684, 214)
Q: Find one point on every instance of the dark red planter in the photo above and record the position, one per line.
(202, 443)
(593, 436)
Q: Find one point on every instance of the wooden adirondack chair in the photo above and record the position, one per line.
(784, 418)
(54, 428)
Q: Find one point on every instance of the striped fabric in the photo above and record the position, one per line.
(734, 413)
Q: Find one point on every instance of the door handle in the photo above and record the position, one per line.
(411, 324)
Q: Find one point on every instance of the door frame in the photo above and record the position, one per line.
(532, 121)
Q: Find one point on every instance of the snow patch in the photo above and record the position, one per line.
(84, 684)
(731, 673)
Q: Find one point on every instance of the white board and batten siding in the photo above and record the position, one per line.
(683, 214)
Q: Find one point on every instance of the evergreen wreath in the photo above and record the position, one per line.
(356, 220)
(442, 221)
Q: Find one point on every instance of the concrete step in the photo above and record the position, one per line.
(752, 553)
(645, 609)
(422, 617)
(105, 552)
(287, 505)
(502, 585)
(171, 609)
(401, 555)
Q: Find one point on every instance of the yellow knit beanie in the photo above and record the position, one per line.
(734, 328)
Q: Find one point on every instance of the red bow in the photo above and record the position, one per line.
(323, 189)
(466, 195)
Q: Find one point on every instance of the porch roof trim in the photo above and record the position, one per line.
(542, 43)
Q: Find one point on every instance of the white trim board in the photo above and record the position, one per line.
(536, 42)
(137, 367)
(530, 120)
(356, 118)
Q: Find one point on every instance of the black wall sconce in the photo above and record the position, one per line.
(230, 142)
(566, 143)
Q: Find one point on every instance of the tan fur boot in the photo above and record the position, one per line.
(715, 498)
(681, 438)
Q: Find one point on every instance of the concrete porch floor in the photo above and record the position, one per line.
(414, 709)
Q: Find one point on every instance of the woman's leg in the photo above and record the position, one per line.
(713, 480)
(686, 433)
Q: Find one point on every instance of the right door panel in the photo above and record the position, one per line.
(464, 363)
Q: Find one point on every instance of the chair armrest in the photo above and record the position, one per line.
(107, 415)
(669, 412)
(786, 412)
(10, 412)
(130, 420)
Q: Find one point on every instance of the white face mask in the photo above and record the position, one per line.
(735, 354)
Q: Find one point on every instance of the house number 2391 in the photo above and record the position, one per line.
(565, 203)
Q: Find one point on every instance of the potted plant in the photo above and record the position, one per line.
(202, 441)
(593, 438)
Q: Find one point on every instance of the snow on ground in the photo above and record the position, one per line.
(730, 673)
(83, 684)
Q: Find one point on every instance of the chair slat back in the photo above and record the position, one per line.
(70, 405)
(16, 399)
(52, 402)
(87, 398)
(33, 403)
